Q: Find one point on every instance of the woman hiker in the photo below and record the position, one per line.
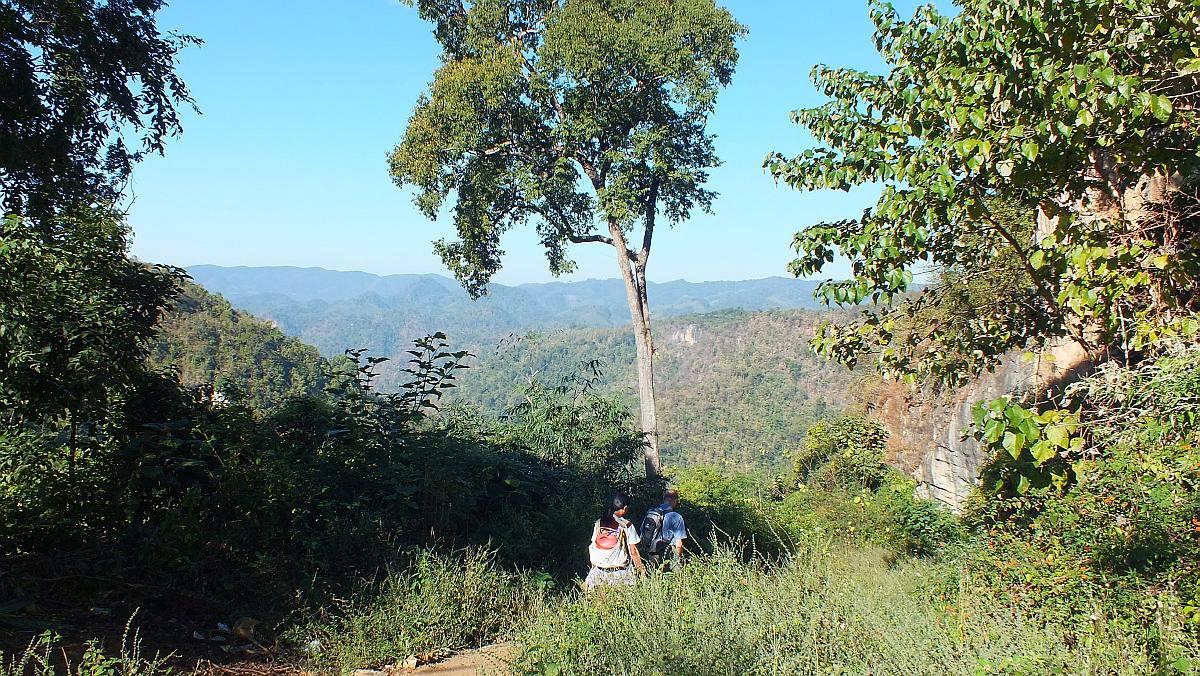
(613, 551)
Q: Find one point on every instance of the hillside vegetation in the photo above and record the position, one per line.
(209, 344)
(736, 388)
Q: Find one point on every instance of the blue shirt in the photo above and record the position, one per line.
(673, 528)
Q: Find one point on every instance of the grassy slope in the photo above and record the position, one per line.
(839, 609)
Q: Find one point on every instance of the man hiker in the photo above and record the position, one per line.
(663, 533)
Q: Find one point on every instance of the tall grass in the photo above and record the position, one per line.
(443, 600)
(826, 610)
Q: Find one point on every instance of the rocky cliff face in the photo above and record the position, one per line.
(927, 430)
(682, 335)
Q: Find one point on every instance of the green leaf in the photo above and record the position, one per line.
(1014, 443)
(993, 431)
(1037, 259)
(1160, 107)
(1057, 435)
(1043, 451)
(1022, 485)
(1028, 427)
(1030, 150)
(1059, 479)
(1016, 414)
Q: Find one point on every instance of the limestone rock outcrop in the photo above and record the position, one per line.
(929, 432)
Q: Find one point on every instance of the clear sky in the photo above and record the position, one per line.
(302, 100)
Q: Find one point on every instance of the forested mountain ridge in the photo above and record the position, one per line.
(209, 343)
(339, 310)
(736, 388)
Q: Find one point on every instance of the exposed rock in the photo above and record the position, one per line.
(929, 429)
(684, 335)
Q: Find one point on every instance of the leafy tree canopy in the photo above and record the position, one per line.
(77, 79)
(76, 315)
(535, 96)
(1082, 112)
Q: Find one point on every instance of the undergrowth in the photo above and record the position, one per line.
(443, 600)
(830, 608)
(45, 656)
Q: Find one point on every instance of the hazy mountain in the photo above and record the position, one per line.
(339, 310)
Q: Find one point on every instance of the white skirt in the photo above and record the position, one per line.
(612, 576)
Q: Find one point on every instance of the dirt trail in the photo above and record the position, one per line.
(492, 659)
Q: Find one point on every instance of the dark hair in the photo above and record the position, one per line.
(616, 501)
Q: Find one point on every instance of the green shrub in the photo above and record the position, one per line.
(925, 528)
(845, 453)
(1120, 539)
(919, 527)
(890, 516)
(721, 508)
(848, 516)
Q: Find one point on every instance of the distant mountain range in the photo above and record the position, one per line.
(338, 310)
(736, 381)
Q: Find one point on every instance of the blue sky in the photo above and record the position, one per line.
(302, 101)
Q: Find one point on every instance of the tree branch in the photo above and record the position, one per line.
(567, 234)
(577, 239)
(1043, 290)
(1047, 295)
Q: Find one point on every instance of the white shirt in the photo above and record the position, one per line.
(617, 557)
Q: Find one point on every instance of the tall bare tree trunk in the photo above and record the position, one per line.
(633, 273)
(645, 369)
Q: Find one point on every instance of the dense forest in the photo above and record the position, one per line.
(184, 488)
(244, 359)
